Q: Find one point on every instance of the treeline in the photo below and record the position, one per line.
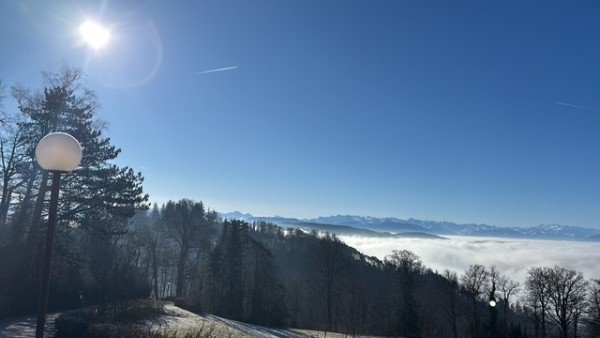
(208, 265)
(264, 274)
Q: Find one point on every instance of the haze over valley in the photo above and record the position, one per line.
(447, 245)
(511, 255)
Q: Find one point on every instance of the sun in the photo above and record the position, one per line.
(94, 34)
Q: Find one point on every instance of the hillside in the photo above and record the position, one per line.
(595, 238)
(175, 322)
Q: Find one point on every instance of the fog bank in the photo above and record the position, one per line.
(511, 256)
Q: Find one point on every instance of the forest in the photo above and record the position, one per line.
(113, 247)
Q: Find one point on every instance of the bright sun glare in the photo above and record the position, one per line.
(94, 34)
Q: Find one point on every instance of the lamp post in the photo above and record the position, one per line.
(493, 311)
(57, 153)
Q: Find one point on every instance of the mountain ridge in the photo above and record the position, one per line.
(392, 225)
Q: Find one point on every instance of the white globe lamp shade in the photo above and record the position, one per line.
(58, 152)
(492, 303)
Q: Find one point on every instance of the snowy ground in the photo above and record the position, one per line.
(182, 321)
(322, 334)
(177, 321)
(24, 327)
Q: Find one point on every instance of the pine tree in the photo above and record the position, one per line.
(96, 199)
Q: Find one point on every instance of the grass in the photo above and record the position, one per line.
(117, 321)
(323, 334)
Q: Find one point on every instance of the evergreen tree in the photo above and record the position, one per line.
(231, 262)
(99, 197)
(186, 223)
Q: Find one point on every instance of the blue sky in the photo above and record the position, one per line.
(437, 110)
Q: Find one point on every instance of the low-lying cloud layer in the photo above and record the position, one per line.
(512, 256)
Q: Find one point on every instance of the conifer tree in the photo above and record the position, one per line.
(96, 199)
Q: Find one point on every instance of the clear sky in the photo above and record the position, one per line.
(445, 110)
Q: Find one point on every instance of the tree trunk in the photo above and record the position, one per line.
(474, 330)
(164, 282)
(35, 222)
(155, 270)
(575, 323)
(543, 309)
(5, 201)
(19, 223)
(506, 306)
(454, 327)
(565, 330)
(181, 272)
(536, 323)
(33, 245)
(329, 302)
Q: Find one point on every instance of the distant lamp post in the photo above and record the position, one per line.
(493, 312)
(57, 153)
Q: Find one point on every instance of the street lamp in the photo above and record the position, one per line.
(493, 311)
(57, 153)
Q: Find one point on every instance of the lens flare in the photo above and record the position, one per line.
(94, 34)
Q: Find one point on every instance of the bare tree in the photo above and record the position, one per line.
(507, 288)
(2, 97)
(567, 295)
(12, 161)
(12, 156)
(406, 266)
(449, 299)
(538, 295)
(593, 311)
(475, 281)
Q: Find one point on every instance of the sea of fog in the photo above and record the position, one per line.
(511, 256)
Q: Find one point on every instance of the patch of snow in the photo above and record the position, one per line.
(179, 321)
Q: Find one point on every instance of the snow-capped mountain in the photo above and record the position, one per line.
(373, 223)
(558, 230)
(236, 215)
(395, 225)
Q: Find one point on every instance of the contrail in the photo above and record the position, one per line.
(576, 106)
(215, 70)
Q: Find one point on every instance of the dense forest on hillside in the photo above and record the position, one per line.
(265, 274)
(111, 248)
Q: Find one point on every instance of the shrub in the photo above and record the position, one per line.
(71, 325)
(91, 323)
(140, 309)
(189, 305)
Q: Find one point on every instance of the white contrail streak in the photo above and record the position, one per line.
(216, 70)
(576, 106)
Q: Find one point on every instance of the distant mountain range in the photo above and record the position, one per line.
(394, 227)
